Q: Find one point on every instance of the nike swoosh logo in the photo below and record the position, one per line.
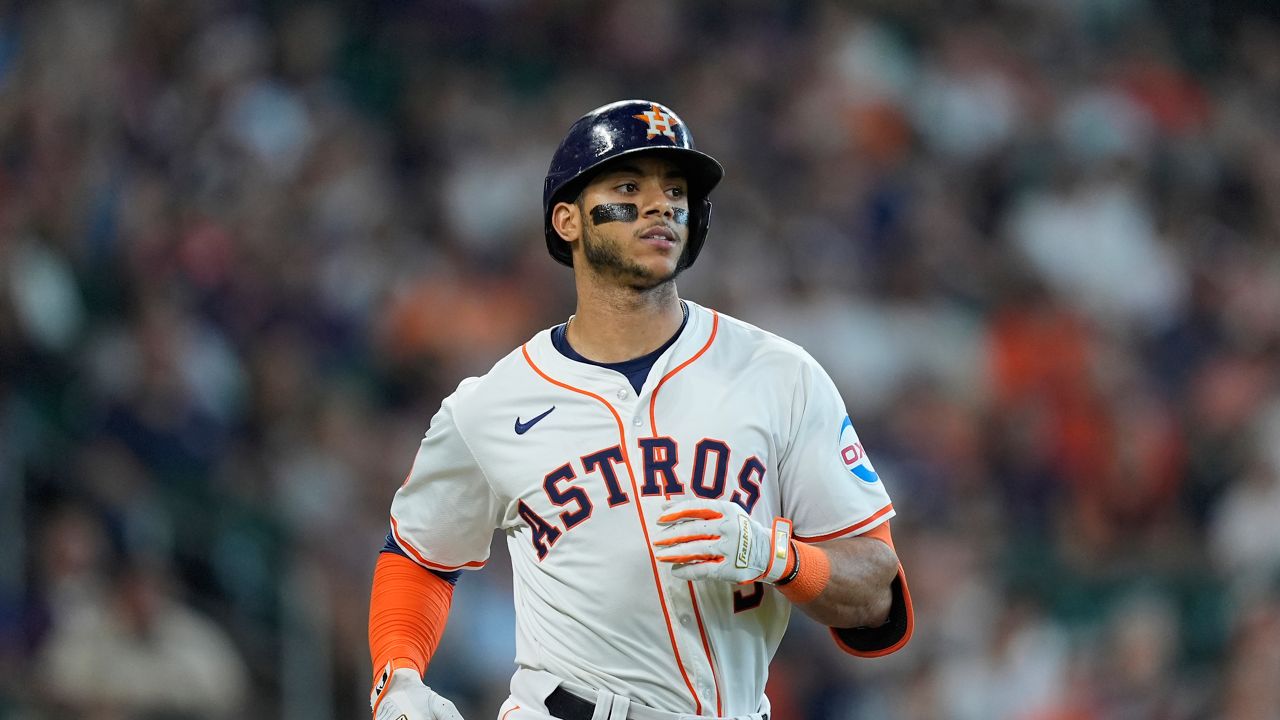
(523, 427)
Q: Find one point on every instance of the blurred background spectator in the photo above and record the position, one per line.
(247, 247)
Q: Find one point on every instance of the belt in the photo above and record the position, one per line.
(564, 705)
(567, 706)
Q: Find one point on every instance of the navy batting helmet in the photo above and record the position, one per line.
(625, 128)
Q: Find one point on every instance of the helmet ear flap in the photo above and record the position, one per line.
(699, 224)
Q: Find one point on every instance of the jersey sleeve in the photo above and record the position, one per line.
(444, 515)
(829, 487)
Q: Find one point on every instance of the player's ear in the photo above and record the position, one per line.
(566, 219)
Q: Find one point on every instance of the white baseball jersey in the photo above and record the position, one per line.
(573, 465)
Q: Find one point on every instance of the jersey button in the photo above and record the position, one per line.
(622, 394)
(637, 422)
(684, 620)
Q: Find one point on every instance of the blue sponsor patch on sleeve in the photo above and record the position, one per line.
(852, 454)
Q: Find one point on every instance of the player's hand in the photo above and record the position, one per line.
(401, 695)
(716, 539)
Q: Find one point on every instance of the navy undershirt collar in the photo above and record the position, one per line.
(635, 370)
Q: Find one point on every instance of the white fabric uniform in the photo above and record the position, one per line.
(728, 411)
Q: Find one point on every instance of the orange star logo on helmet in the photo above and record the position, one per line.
(660, 123)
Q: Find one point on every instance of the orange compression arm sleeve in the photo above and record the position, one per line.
(881, 533)
(408, 609)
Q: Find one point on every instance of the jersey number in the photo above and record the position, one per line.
(749, 600)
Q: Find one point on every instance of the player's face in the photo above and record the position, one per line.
(635, 222)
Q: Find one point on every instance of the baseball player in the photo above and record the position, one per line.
(671, 481)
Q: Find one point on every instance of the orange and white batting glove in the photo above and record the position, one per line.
(400, 694)
(716, 539)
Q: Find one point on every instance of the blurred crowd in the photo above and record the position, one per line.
(247, 247)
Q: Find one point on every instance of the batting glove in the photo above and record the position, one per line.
(716, 539)
(400, 694)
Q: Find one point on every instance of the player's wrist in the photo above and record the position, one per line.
(390, 670)
(775, 541)
(810, 575)
(401, 693)
(382, 673)
(793, 566)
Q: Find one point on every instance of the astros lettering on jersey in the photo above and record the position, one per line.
(573, 466)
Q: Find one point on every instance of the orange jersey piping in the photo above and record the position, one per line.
(635, 489)
(418, 557)
(653, 399)
(653, 428)
(706, 647)
(845, 531)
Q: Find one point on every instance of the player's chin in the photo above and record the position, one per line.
(650, 275)
(660, 261)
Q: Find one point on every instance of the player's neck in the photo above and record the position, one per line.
(614, 324)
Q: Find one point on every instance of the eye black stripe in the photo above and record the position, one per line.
(614, 212)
